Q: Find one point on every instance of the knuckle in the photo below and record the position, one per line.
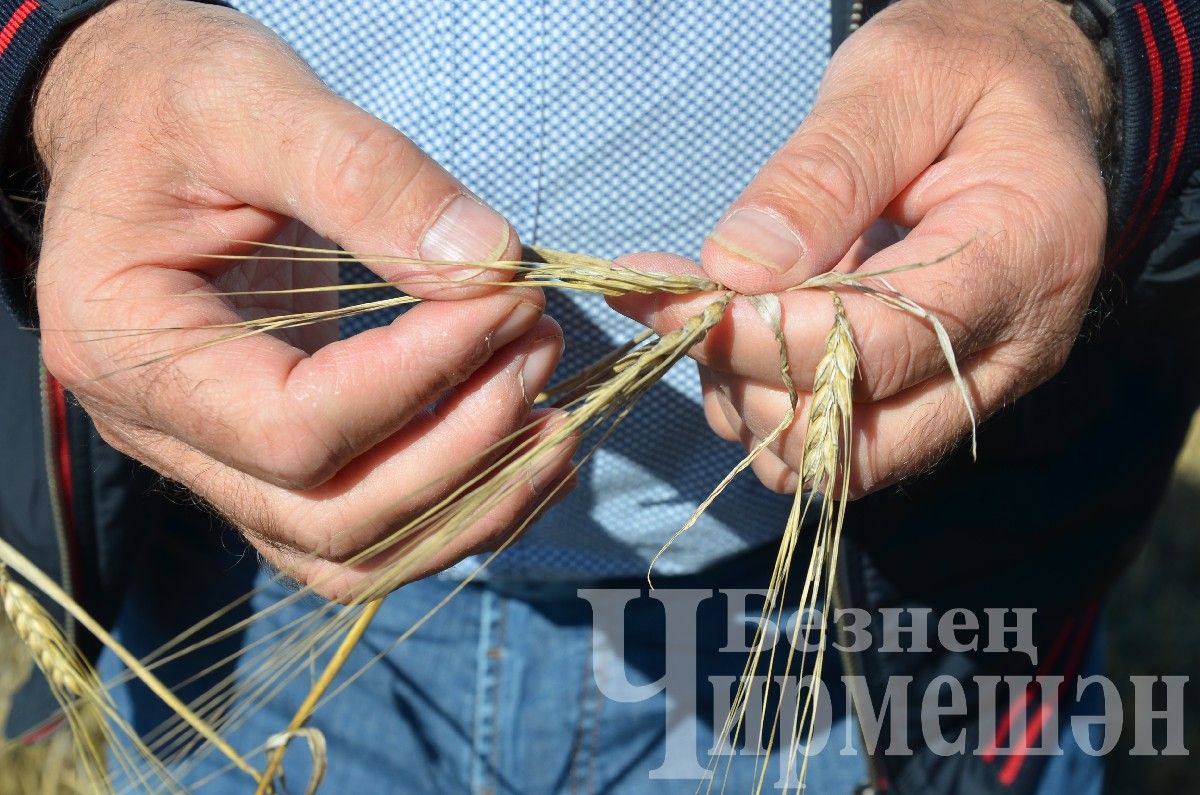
(292, 458)
(468, 356)
(62, 353)
(488, 428)
(441, 363)
(891, 364)
(365, 169)
(299, 469)
(61, 360)
(901, 31)
(826, 174)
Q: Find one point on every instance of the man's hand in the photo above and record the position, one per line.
(175, 132)
(963, 121)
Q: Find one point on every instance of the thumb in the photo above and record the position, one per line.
(360, 183)
(879, 120)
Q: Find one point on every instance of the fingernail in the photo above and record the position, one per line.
(518, 321)
(539, 365)
(759, 237)
(466, 231)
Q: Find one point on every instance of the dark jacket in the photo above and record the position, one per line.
(1048, 516)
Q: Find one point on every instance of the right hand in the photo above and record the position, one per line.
(172, 130)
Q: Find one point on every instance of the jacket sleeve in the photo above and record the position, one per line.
(30, 30)
(1151, 48)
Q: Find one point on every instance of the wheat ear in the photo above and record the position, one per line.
(13, 558)
(51, 651)
(86, 706)
(825, 471)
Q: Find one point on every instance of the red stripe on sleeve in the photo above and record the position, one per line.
(15, 22)
(1033, 732)
(1156, 92)
(1060, 642)
(1183, 49)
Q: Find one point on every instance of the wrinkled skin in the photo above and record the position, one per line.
(210, 130)
(937, 124)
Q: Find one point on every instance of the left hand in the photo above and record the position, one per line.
(959, 122)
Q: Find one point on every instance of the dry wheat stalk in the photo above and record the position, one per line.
(10, 557)
(266, 784)
(827, 437)
(90, 714)
(824, 472)
(593, 274)
(603, 393)
(633, 373)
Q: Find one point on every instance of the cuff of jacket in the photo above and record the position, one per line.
(1151, 49)
(29, 32)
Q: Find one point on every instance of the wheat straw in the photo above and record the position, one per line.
(305, 710)
(90, 714)
(18, 562)
(593, 401)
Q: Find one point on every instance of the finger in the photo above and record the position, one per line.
(518, 507)
(897, 438)
(419, 554)
(896, 349)
(299, 150)
(1050, 215)
(267, 408)
(884, 112)
(437, 451)
(393, 483)
(715, 405)
(772, 472)
(910, 433)
(770, 469)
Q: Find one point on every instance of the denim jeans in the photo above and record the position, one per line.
(514, 689)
